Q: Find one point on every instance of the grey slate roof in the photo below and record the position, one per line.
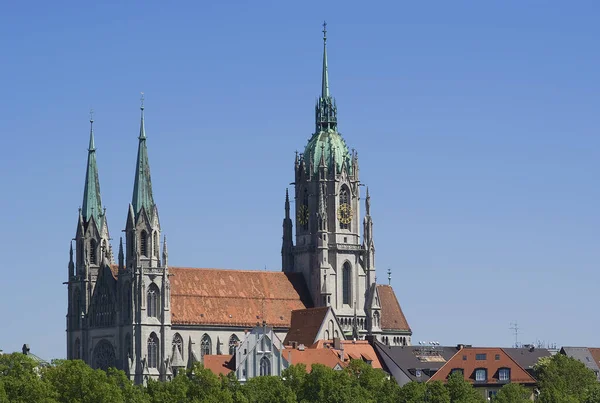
(413, 363)
(527, 357)
(582, 354)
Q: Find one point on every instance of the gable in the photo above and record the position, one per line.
(305, 325)
(236, 297)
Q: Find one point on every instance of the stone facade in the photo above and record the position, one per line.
(140, 315)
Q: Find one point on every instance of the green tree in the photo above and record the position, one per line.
(268, 389)
(131, 393)
(513, 393)
(3, 397)
(294, 377)
(412, 392)
(326, 385)
(169, 392)
(22, 382)
(563, 379)
(462, 391)
(205, 386)
(374, 381)
(593, 394)
(75, 381)
(437, 393)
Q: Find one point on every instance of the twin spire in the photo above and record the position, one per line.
(92, 203)
(142, 188)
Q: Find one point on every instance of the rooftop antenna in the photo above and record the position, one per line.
(514, 326)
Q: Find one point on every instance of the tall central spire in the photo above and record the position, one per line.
(325, 79)
(326, 109)
(142, 187)
(92, 203)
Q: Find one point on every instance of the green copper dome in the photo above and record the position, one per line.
(332, 146)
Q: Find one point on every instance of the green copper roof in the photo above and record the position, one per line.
(326, 141)
(142, 187)
(332, 147)
(92, 203)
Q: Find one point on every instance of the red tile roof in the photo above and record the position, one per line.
(392, 317)
(219, 364)
(305, 325)
(312, 356)
(236, 297)
(471, 363)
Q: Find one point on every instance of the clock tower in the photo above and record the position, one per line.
(328, 250)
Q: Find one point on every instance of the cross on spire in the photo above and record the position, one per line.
(91, 115)
(324, 30)
(142, 100)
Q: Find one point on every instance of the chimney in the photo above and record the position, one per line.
(301, 347)
(290, 357)
(294, 344)
(336, 343)
(371, 339)
(342, 353)
(460, 346)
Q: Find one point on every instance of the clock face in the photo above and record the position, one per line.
(302, 215)
(345, 213)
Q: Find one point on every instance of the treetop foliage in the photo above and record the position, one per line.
(561, 379)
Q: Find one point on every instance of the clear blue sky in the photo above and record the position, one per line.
(477, 127)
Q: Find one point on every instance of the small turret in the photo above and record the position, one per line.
(287, 245)
(165, 253)
(71, 263)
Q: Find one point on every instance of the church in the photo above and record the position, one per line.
(134, 312)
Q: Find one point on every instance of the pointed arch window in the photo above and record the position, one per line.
(93, 252)
(76, 308)
(376, 318)
(128, 349)
(304, 212)
(346, 290)
(144, 243)
(153, 301)
(344, 199)
(155, 243)
(205, 345)
(153, 351)
(80, 253)
(77, 350)
(265, 366)
(177, 344)
(233, 343)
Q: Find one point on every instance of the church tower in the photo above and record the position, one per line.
(337, 268)
(144, 279)
(93, 253)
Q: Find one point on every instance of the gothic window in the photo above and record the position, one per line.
(177, 344)
(304, 212)
(102, 312)
(104, 355)
(153, 301)
(205, 345)
(144, 243)
(128, 349)
(93, 252)
(153, 351)
(76, 308)
(127, 301)
(233, 343)
(265, 366)
(77, 350)
(80, 252)
(344, 199)
(155, 244)
(376, 319)
(326, 334)
(346, 294)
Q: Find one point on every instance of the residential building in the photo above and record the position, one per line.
(488, 369)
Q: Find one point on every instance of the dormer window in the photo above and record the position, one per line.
(457, 371)
(504, 374)
(480, 375)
